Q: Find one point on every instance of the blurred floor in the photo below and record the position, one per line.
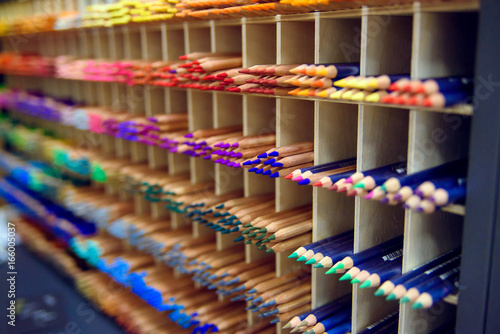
(54, 306)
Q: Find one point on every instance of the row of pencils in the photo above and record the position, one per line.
(223, 72)
(381, 267)
(425, 191)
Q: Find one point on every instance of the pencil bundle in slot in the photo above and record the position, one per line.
(227, 280)
(279, 298)
(261, 79)
(281, 161)
(333, 317)
(210, 10)
(27, 64)
(277, 232)
(432, 92)
(328, 172)
(128, 310)
(326, 252)
(427, 284)
(229, 215)
(226, 145)
(401, 89)
(424, 191)
(317, 80)
(209, 66)
(125, 12)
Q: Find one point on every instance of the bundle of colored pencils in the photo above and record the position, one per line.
(333, 317)
(317, 80)
(216, 9)
(27, 64)
(126, 11)
(427, 284)
(280, 161)
(424, 191)
(336, 253)
(432, 92)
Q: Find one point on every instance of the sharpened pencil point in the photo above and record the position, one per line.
(274, 175)
(345, 277)
(318, 184)
(359, 185)
(319, 265)
(277, 164)
(289, 176)
(405, 299)
(293, 255)
(288, 325)
(302, 259)
(355, 280)
(304, 182)
(417, 306)
(270, 250)
(391, 296)
(273, 154)
(298, 178)
(339, 265)
(251, 291)
(331, 271)
(311, 261)
(366, 284)
(248, 242)
(240, 238)
(379, 293)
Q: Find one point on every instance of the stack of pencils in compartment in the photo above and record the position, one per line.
(424, 191)
(333, 317)
(279, 161)
(317, 80)
(127, 11)
(216, 9)
(27, 64)
(427, 284)
(280, 231)
(402, 90)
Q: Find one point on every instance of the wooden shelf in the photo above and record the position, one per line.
(426, 40)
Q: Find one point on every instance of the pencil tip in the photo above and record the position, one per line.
(345, 277)
(298, 178)
(391, 296)
(318, 184)
(319, 265)
(379, 293)
(366, 284)
(311, 261)
(273, 154)
(240, 238)
(355, 281)
(294, 255)
(417, 306)
(331, 271)
(302, 259)
(304, 182)
(263, 155)
(405, 299)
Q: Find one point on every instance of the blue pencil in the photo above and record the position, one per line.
(334, 320)
(385, 325)
(370, 253)
(454, 168)
(301, 250)
(296, 321)
(443, 289)
(414, 292)
(401, 289)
